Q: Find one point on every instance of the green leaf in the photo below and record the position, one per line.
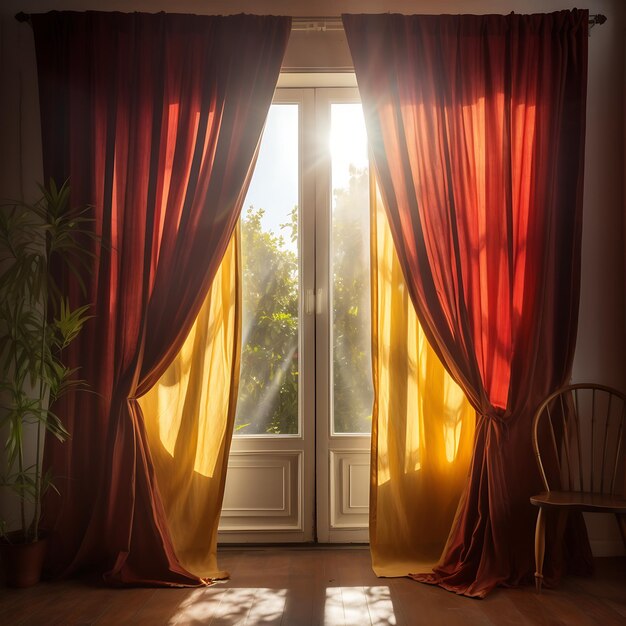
(32, 237)
(70, 322)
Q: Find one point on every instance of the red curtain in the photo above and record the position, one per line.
(155, 120)
(477, 125)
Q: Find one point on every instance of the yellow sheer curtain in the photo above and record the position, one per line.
(422, 425)
(189, 416)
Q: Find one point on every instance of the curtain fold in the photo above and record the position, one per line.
(155, 120)
(476, 124)
(189, 416)
(422, 424)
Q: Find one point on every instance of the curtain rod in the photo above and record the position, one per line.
(330, 23)
(334, 23)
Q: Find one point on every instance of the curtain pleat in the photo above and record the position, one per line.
(155, 120)
(422, 424)
(477, 124)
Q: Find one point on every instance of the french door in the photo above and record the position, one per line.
(299, 463)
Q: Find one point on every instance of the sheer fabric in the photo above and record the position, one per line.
(476, 124)
(155, 120)
(189, 415)
(422, 424)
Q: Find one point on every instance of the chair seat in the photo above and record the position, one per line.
(580, 501)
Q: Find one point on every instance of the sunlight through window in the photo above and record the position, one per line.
(352, 392)
(238, 605)
(358, 605)
(259, 605)
(268, 399)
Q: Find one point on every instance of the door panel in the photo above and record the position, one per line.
(264, 491)
(349, 490)
(299, 465)
(270, 484)
(344, 388)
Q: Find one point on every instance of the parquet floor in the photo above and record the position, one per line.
(311, 586)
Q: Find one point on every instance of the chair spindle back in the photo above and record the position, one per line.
(578, 437)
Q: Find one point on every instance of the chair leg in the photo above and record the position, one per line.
(621, 522)
(540, 546)
(560, 537)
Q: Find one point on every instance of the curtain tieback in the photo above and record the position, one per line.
(496, 418)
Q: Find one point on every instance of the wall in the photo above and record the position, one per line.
(602, 330)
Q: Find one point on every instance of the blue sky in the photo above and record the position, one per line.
(274, 185)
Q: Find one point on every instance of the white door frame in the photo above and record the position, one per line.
(287, 460)
(319, 479)
(342, 472)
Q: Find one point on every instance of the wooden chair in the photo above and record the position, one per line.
(579, 437)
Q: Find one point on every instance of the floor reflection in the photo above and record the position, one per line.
(218, 605)
(232, 605)
(358, 605)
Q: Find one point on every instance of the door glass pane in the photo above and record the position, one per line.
(352, 371)
(268, 387)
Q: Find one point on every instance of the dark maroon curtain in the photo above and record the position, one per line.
(155, 120)
(477, 126)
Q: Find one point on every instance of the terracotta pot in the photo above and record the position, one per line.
(23, 562)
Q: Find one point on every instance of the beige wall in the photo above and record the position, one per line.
(601, 347)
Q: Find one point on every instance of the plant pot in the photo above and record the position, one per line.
(23, 562)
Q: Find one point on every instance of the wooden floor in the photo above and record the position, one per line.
(298, 587)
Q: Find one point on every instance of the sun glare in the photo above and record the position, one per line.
(348, 141)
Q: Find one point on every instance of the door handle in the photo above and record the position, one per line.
(309, 302)
(313, 301)
(318, 301)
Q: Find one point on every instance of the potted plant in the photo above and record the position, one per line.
(36, 326)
